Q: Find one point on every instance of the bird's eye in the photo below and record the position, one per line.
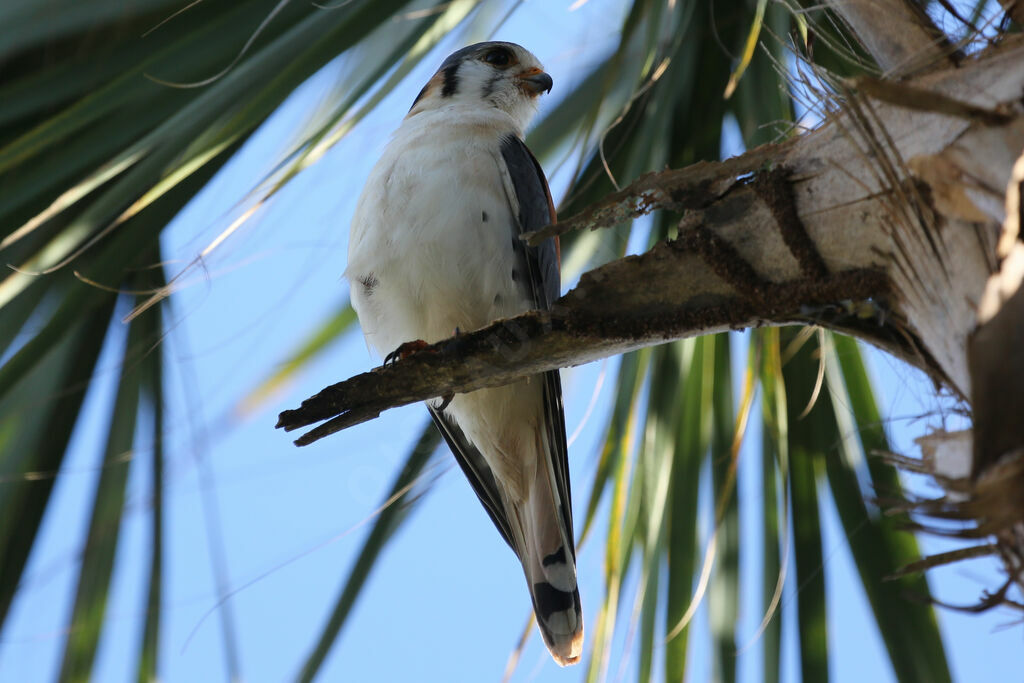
(498, 57)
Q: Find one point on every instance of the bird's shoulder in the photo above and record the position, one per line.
(434, 161)
(454, 124)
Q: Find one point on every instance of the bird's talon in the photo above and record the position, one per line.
(404, 351)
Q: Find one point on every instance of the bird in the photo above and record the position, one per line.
(434, 251)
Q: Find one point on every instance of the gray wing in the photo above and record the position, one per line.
(536, 209)
(476, 470)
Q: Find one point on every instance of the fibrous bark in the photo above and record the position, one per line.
(1015, 9)
(990, 499)
(899, 34)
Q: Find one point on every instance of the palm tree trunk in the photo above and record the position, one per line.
(899, 34)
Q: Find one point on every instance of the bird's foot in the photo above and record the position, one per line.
(404, 351)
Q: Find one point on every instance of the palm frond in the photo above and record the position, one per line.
(115, 117)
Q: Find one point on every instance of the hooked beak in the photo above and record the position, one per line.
(535, 82)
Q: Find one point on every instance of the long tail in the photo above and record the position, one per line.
(534, 516)
(549, 562)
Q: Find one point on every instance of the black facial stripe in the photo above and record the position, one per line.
(451, 79)
(489, 85)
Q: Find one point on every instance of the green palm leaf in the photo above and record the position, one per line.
(406, 491)
(97, 156)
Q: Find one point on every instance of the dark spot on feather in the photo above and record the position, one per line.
(515, 275)
(369, 282)
(483, 215)
(548, 600)
(497, 299)
(451, 79)
(489, 85)
(554, 558)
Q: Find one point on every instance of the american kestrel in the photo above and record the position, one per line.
(435, 249)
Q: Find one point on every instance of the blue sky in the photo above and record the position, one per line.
(447, 601)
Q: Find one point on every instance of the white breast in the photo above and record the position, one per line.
(430, 246)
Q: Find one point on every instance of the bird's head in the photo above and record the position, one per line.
(501, 75)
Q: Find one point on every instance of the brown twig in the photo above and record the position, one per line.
(570, 334)
(694, 187)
